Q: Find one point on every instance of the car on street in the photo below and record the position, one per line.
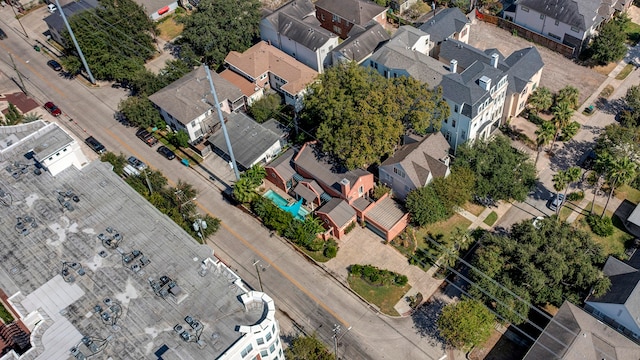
(166, 152)
(136, 163)
(53, 109)
(54, 65)
(3, 35)
(95, 145)
(147, 137)
(556, 201)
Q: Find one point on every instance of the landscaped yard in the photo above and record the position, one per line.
(384, 297)
(169, 28)
(633, 33)
(473, 208)
(5, 315)
(625, 72)
(614, 244)
(491, 218)
(629, 193)
(442, 227)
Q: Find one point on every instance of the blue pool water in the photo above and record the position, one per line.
(295, 209)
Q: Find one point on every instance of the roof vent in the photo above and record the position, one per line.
(453, 66)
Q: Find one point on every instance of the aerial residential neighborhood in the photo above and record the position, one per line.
(319, 179)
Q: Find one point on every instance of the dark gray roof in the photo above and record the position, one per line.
(276, 127)
(362, 42)
(397, 54)
(523, 64)
(574, 334)
(446, 23)
(465, 54)
(323, 168)
(190, 96)
(55, 21)
(576, 13)
(339, 211)
(419, 159)
(306, 193)
(297, 21)
(465, 88)
(355, 11)
(249, 139)
(624, 286)
(283, 164)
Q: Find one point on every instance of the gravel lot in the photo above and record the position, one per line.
(558, 71)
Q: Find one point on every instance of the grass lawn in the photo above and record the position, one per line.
(633, 33)
(473, 208)
(614, 244)
(491, 218)
(315, 255)
(629, 193)
(383, 296)
(169, 29)
(5, 315)
(607, 91)
(625, 72)
(442, 227)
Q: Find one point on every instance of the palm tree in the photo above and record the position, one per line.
(560, 182)
(540, 99)
(621, 172)
(562, 113)
(570, 95)
(30, 117)
(600, 168)
(570, 130)
(545, 134)
(572, 175)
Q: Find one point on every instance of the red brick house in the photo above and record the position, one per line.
(339, 16)
(337, 216)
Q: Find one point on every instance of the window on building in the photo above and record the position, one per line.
(322, 16)
(525, 9)
(399, 172)
(541, 16)
(575, 29)
(337, 29)
(264, 353)
(260, 341)
(272, 348)
(335, 18)
(453, 123)
(447, 136)
(554, 36)
(464, 135)
(463, 32)
(361, 190)
(268, 336)
(246, 350)
(406, 188)
(455, 108)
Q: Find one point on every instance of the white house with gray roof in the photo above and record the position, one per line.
(449, 23)
(252, 143)
(620, 306)
(569, 22)
(187, 104)
(361, 43)
(406, 54)
(294, 29)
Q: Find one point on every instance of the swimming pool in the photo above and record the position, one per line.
(300, 213)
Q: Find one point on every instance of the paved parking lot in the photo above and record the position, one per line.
(558, 71)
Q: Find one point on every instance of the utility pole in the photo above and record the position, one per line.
(224, 127)
(75, 43)
(258, 271)
(336, 332)
(24, 89)
(11, 2)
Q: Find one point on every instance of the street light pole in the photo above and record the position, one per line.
(336, 338)
(258, 271)
(17, 18)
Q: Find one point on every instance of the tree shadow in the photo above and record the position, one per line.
(611, 107)
(567, 155)
(425, 318)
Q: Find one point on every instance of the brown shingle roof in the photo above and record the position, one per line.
(262, 58)
(247, 87)
(21, 101)
(356, 11)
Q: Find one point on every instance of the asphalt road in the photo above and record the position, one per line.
(302, 292)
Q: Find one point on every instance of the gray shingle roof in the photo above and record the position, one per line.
(419, 159)
(574, 334)
(355, 11)
(185, 98)
(464, 87)
(323, 169)
(362, 42)
(249, 139)
(297, 21)
(386, 212)
(339, 211)
(465, 54)
(283, 164)
(523, 64)
(446, 23)
(576, 13)
(625, 287)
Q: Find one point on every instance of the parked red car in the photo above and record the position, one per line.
(53, 109)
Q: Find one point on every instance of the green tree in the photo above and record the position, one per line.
(457, 188)
(571, 175)
(621, 171)
(562, 113)
(631, 117)
(466, 324)
(570, 95)
(425, 206)
(543, 266)
(501, 171)
(265, 108)
(308, 348)
(619, 141)
(220, 26)
(541, 99)
(244, 191)
(570, 130)
(140, 112)
(31, 117)
(544, 135)
(360, 115)
(179, 138)
(115, 39)
(609, 45)
(13, 115)
(560, 182)
(117, 161)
